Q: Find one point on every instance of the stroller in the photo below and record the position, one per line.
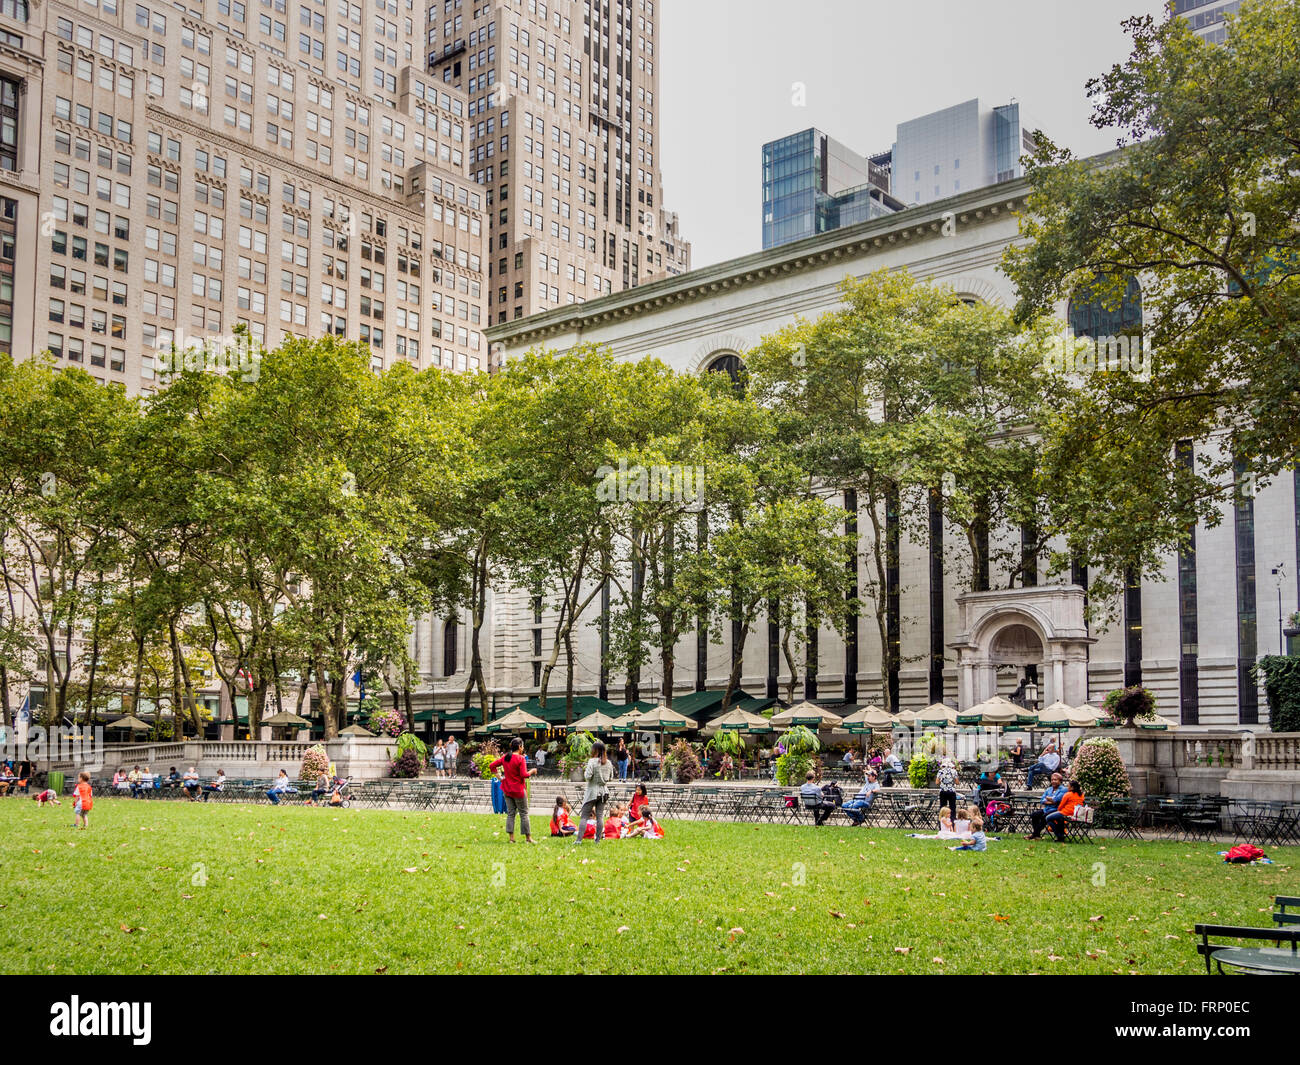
(340, 795)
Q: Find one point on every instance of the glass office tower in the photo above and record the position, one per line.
(813, 184)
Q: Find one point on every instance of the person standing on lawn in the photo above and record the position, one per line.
(598, 773)
(947, 779)
(514, 787)
(85, 799)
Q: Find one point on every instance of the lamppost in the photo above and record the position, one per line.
(1279, 574)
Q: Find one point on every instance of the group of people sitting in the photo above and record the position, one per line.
(1057, 805)
(962, 823)
(823, 800)
(11, 779)
(138, 782)
(632, 820)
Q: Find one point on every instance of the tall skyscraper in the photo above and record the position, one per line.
(1206, 17)
(562, 103)
(170, 172)
(959, 148)
(812, 184)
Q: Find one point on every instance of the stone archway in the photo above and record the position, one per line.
(1041, 626)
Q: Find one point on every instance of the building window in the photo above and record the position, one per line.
(9, 89)
(449, 647)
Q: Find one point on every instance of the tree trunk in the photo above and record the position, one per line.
(737, 665)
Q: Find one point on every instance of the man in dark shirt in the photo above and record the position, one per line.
(812, 798)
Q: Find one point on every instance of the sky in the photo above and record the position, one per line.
(727, 68)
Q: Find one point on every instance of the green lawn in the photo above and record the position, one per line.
(175, 887)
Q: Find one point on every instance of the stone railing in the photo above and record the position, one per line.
(1275, 751)
(360, 757)
(1211, 751)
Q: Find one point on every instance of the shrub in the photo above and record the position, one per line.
(409, 741)
(792, 767)
(683, 763)
(314, 763)
(1134, 703)
(920, 769)
(487, 753)
(578, 751)
(1282, 687)
(406, 764)
(801, 740)
(1100, 771)
(727, 742)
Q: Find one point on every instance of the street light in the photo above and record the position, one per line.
(1279, 574)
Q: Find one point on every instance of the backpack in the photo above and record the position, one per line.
(1243, 854)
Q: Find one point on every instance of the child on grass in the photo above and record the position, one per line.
(46, 797)
(83, 802)
(977, 841)
(561, 818)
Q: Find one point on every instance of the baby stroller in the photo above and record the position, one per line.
(997, 814)
(340, 795)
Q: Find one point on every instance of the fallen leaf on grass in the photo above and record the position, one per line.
(902, 950)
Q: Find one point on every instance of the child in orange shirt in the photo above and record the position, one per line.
(84, 801)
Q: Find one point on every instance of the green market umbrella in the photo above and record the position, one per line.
(742, 721)
(806, 713)
(597, 722)
(515, 721)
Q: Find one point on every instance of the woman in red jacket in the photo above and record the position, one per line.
(514, 786)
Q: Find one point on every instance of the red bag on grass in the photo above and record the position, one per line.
(1243, 853)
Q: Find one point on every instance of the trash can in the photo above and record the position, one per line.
(56, 781)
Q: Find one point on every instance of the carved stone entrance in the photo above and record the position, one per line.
(1041, 626)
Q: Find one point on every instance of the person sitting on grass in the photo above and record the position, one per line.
(1048, 804)
(814, 799)
(1070, 801)
(280, 787)
(216, 787)
(858, 806)
(640, 798)
(961, 823)
(614, 823)
(562, 818)
(47, 797)
(645, 826)
(976, 840)
(191, 784)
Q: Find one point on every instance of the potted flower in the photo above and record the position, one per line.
(1292, 625)
(1127, 705)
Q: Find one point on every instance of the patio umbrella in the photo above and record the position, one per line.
(997, 711)
(738, 720)
(130, 721)
(516, 721)
(806, 713)
(284, 718)
(1056, 716)
(867, 719)
(664, 719)
(596, 722)
(907, 718)
(938, 715)
(1085, 716)
(628, 722)
(355, 730)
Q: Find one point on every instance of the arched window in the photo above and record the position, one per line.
(733, 366)
(1092, 316)
(449, 647)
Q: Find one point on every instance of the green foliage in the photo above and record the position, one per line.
(1134, 703)
(920, 769)
(682, 764)
(1100, 771)
(726, 741)
(577, 752)
(1202, 212)
(800, 739)
(792, 768)
(1281, 675)
(487, 753)
(409, 741)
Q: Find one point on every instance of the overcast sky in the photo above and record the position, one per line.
(727, 67)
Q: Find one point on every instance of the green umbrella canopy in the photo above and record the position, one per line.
(596, 722)
(665, 719)
(806, 713)
(515, 721)
(938, 715)
(738, 720)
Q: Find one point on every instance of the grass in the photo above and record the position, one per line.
(178, 888)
